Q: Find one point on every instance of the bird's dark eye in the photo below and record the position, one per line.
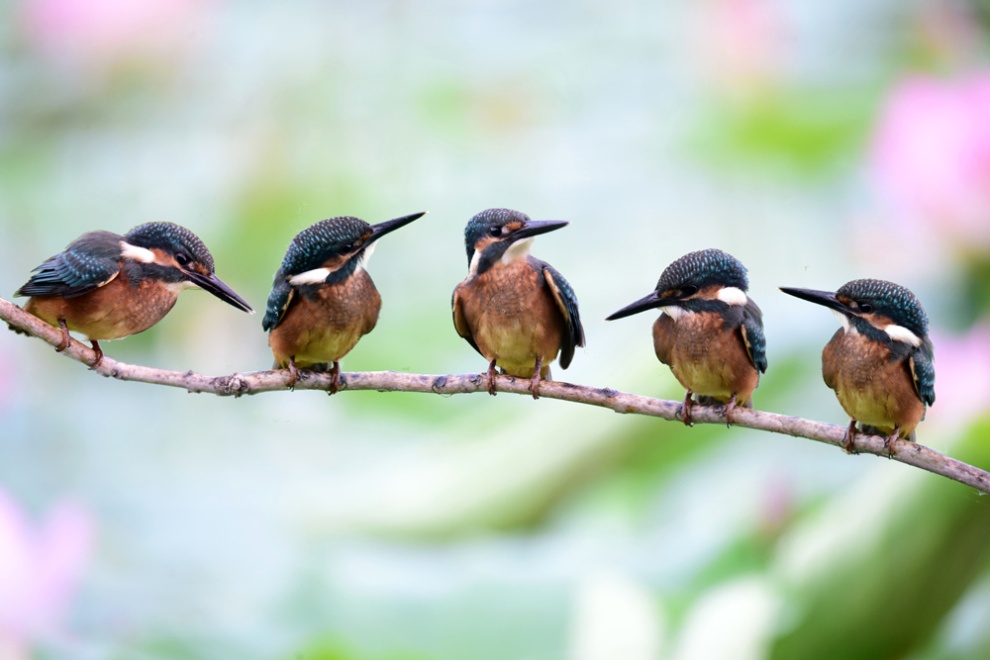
(495, 230)
(688, 290)
(182, 258)
(866, 308)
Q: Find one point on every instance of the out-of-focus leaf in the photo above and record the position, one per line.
(335, 649)
(886, 598)
(809, 131)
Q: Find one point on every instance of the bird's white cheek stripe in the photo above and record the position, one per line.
(315, 276)
(894, 331)
(731, 295)
(902, 334)
(675, 312)
(320, 275)
(475, 260)
(128, 251)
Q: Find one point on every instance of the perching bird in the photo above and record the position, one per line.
(323, 300)
(514, 309)
(709, 332)
(108, 286)
(880, 362)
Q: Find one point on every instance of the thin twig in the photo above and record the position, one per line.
(239, 384)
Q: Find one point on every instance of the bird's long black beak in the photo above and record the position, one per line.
(650, 301)
(382, 228)
(537, 227)
(217, 287)
(823, 298)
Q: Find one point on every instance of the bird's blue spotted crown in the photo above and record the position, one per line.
(891, 300)
(479, 224)
(317, 243)
(704, 268)
(173, 239)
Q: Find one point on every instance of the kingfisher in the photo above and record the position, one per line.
(108, 286)
(709, 332)
(514, 309)
(323, 300)
(880, 361)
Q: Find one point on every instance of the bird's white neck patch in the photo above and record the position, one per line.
(902, 334)
(136, 253)
(675, 312)
(731, 295)
(844, 320)
(177, 287)
(518, 250)
(366, 255)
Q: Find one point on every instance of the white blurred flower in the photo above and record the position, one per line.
(736, 619)
(615, 618)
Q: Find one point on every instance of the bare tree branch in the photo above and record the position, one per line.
(239, 384)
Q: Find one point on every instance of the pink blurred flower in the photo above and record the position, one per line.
(930, 157)
(742, 44)
(962, 376)
(40, 568)
(102, 33)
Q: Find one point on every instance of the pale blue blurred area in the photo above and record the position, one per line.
(372, 525)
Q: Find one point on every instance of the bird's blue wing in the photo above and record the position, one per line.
(278, 301)
(567, 302)
(753, 335)
(89, 263)
(923, 371)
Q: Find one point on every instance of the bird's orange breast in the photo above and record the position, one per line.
(513, 317)
(324, 327)
(115, 310)
(705, 356)
(872, 385)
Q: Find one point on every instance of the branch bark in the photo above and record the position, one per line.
(240, 384)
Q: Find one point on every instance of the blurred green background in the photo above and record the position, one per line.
(817, 142)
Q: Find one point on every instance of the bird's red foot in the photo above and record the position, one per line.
(849, 445)
(491, 378)
(99, 353)
(686, 409)
(64, 344)
(729, 409)
(294, 374)
(335, 378)
(534, 384)
(890, 442)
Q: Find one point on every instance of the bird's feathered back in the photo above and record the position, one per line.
(87, 263)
